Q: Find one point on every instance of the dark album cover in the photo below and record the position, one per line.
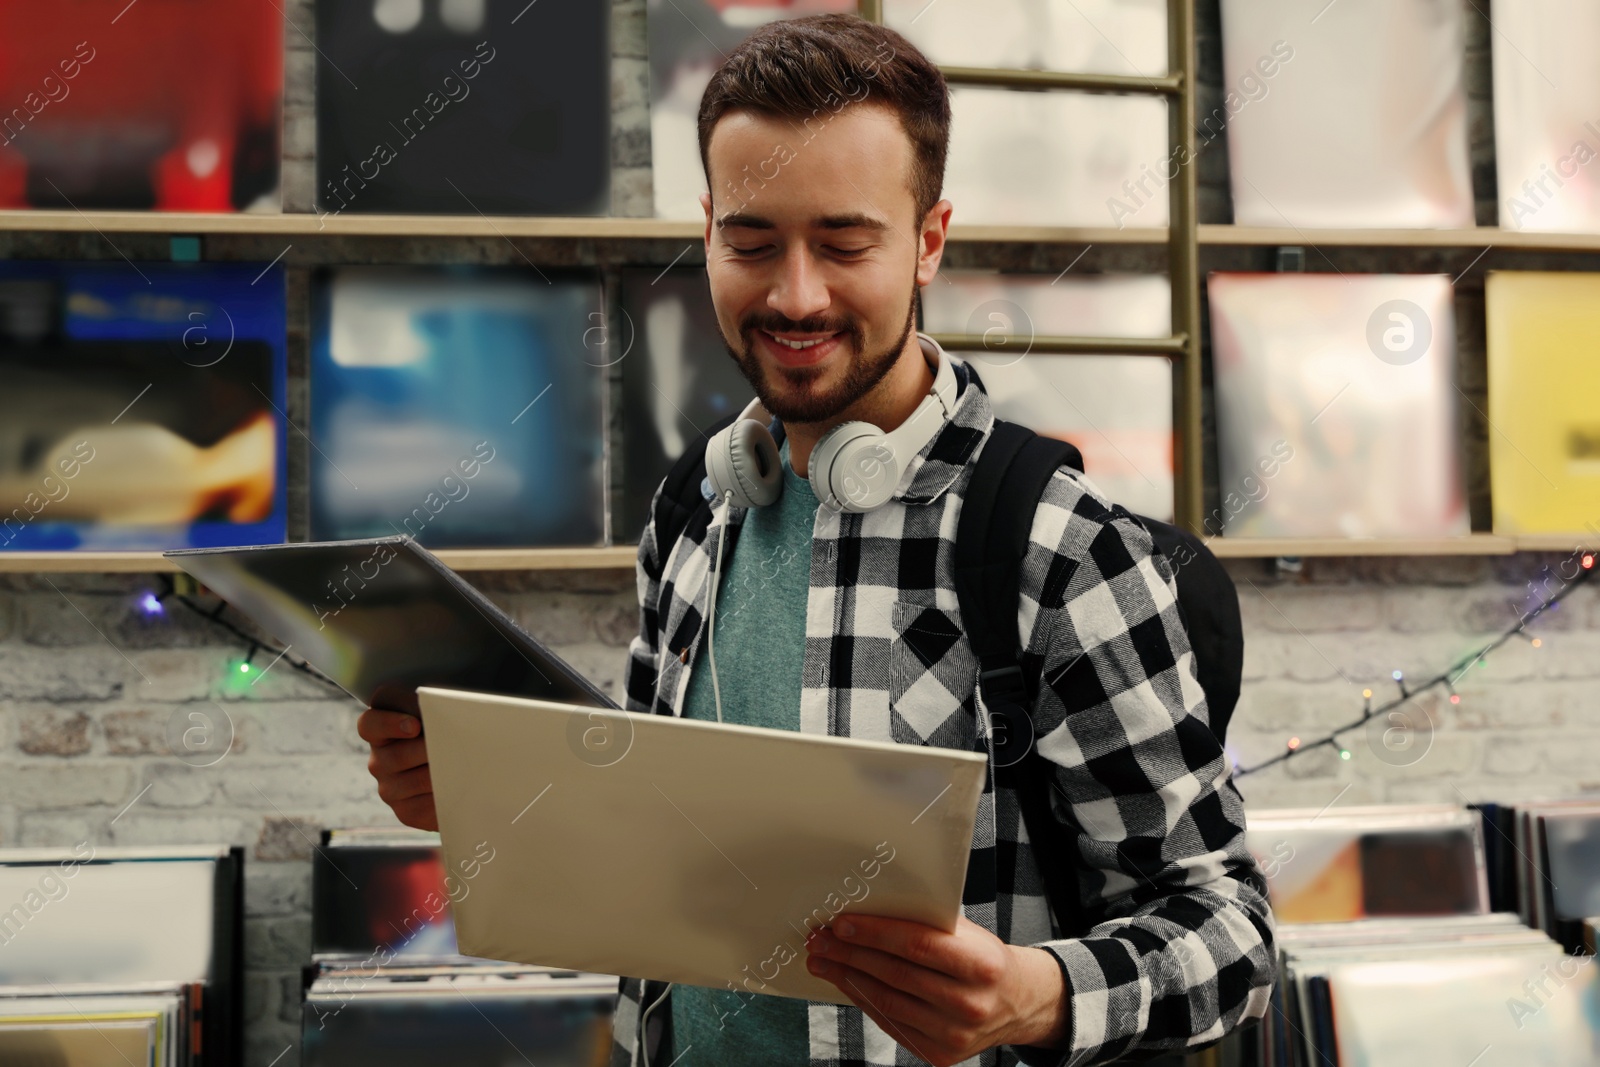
(498, 107)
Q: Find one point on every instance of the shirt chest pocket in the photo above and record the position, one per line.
(932, 677)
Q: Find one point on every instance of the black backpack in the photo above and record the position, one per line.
(991, 538)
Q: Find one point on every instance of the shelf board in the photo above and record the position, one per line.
(616, 228)
(622, 557)
(1588, 541)
(1271, 547)
(291, 224)
(1471, 237)
(461, 559)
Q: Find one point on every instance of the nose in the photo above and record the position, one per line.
(799, 290)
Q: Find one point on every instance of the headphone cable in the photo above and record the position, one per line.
(711, 613)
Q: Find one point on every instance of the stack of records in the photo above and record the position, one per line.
(84, 1025)
(387, 986)
(1364, 862)
(1548, 863)
(1481, 990)
(121, 955)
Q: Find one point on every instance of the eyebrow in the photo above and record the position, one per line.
(856, 221)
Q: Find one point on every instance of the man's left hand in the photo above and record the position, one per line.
(945, 997)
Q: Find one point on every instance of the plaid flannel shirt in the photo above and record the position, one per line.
(1181, 950)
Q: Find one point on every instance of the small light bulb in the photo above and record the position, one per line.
(1397, 675)
(1367, 693)
(244, 668)
(1588, 562)
(1455, 698)
(1537, 642)
(151, 605)
(1294, 743)
(1344, 753)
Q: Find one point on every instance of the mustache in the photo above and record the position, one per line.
(851, 329)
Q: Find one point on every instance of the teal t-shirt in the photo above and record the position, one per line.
(761, 638)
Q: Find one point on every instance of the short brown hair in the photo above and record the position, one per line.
(794, 68)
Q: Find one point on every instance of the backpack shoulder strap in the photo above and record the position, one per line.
(991, 540)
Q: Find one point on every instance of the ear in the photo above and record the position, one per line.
(931, 241)
(705, 203)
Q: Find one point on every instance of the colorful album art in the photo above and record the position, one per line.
(458, 406)
(464, 107)
(689, 40)
(1546, 125)
(391, 896)
(677, 379)
(167, 105)
(1544, 401)
(1336, 402)
(1116, 409)
(1365, 865)
(1345, 115)
(1079, 36)
(142, 405)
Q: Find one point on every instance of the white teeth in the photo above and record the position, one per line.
(798, 345)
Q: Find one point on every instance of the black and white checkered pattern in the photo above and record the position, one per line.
(1182, 946)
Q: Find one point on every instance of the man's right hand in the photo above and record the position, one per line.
(399, 762)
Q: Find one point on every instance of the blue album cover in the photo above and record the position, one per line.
(458, 406)
(143, 406)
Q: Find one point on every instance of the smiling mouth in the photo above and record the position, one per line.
(799, 346)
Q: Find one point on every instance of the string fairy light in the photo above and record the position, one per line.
(154, 605)
(1446, 680)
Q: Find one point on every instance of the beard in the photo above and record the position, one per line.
(791, 405)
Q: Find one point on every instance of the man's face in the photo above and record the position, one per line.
(816, 240)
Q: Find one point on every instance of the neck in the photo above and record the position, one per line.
(886, 406)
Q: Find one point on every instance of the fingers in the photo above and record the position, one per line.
(399, 761)
(927, 997)
(924, 945)
(418, 813)
(379, 727)
(397, 757)
(413, 785)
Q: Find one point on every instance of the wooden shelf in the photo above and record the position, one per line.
(596, 228)
(614, 228)
(1270, 547)
(1474, 237)
(461, 559)
(622, 557)
(297, 225)
(1571, 542)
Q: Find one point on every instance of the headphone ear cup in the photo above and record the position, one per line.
(852, 468)
(744, 458)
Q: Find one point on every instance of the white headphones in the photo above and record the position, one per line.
(854, 467)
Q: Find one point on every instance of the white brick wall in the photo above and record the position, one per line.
(1529, 719)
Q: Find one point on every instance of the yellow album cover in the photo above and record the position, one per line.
(1544, 401)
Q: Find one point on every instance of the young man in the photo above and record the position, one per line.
(824, 143)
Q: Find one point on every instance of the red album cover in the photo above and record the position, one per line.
(170, 105)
